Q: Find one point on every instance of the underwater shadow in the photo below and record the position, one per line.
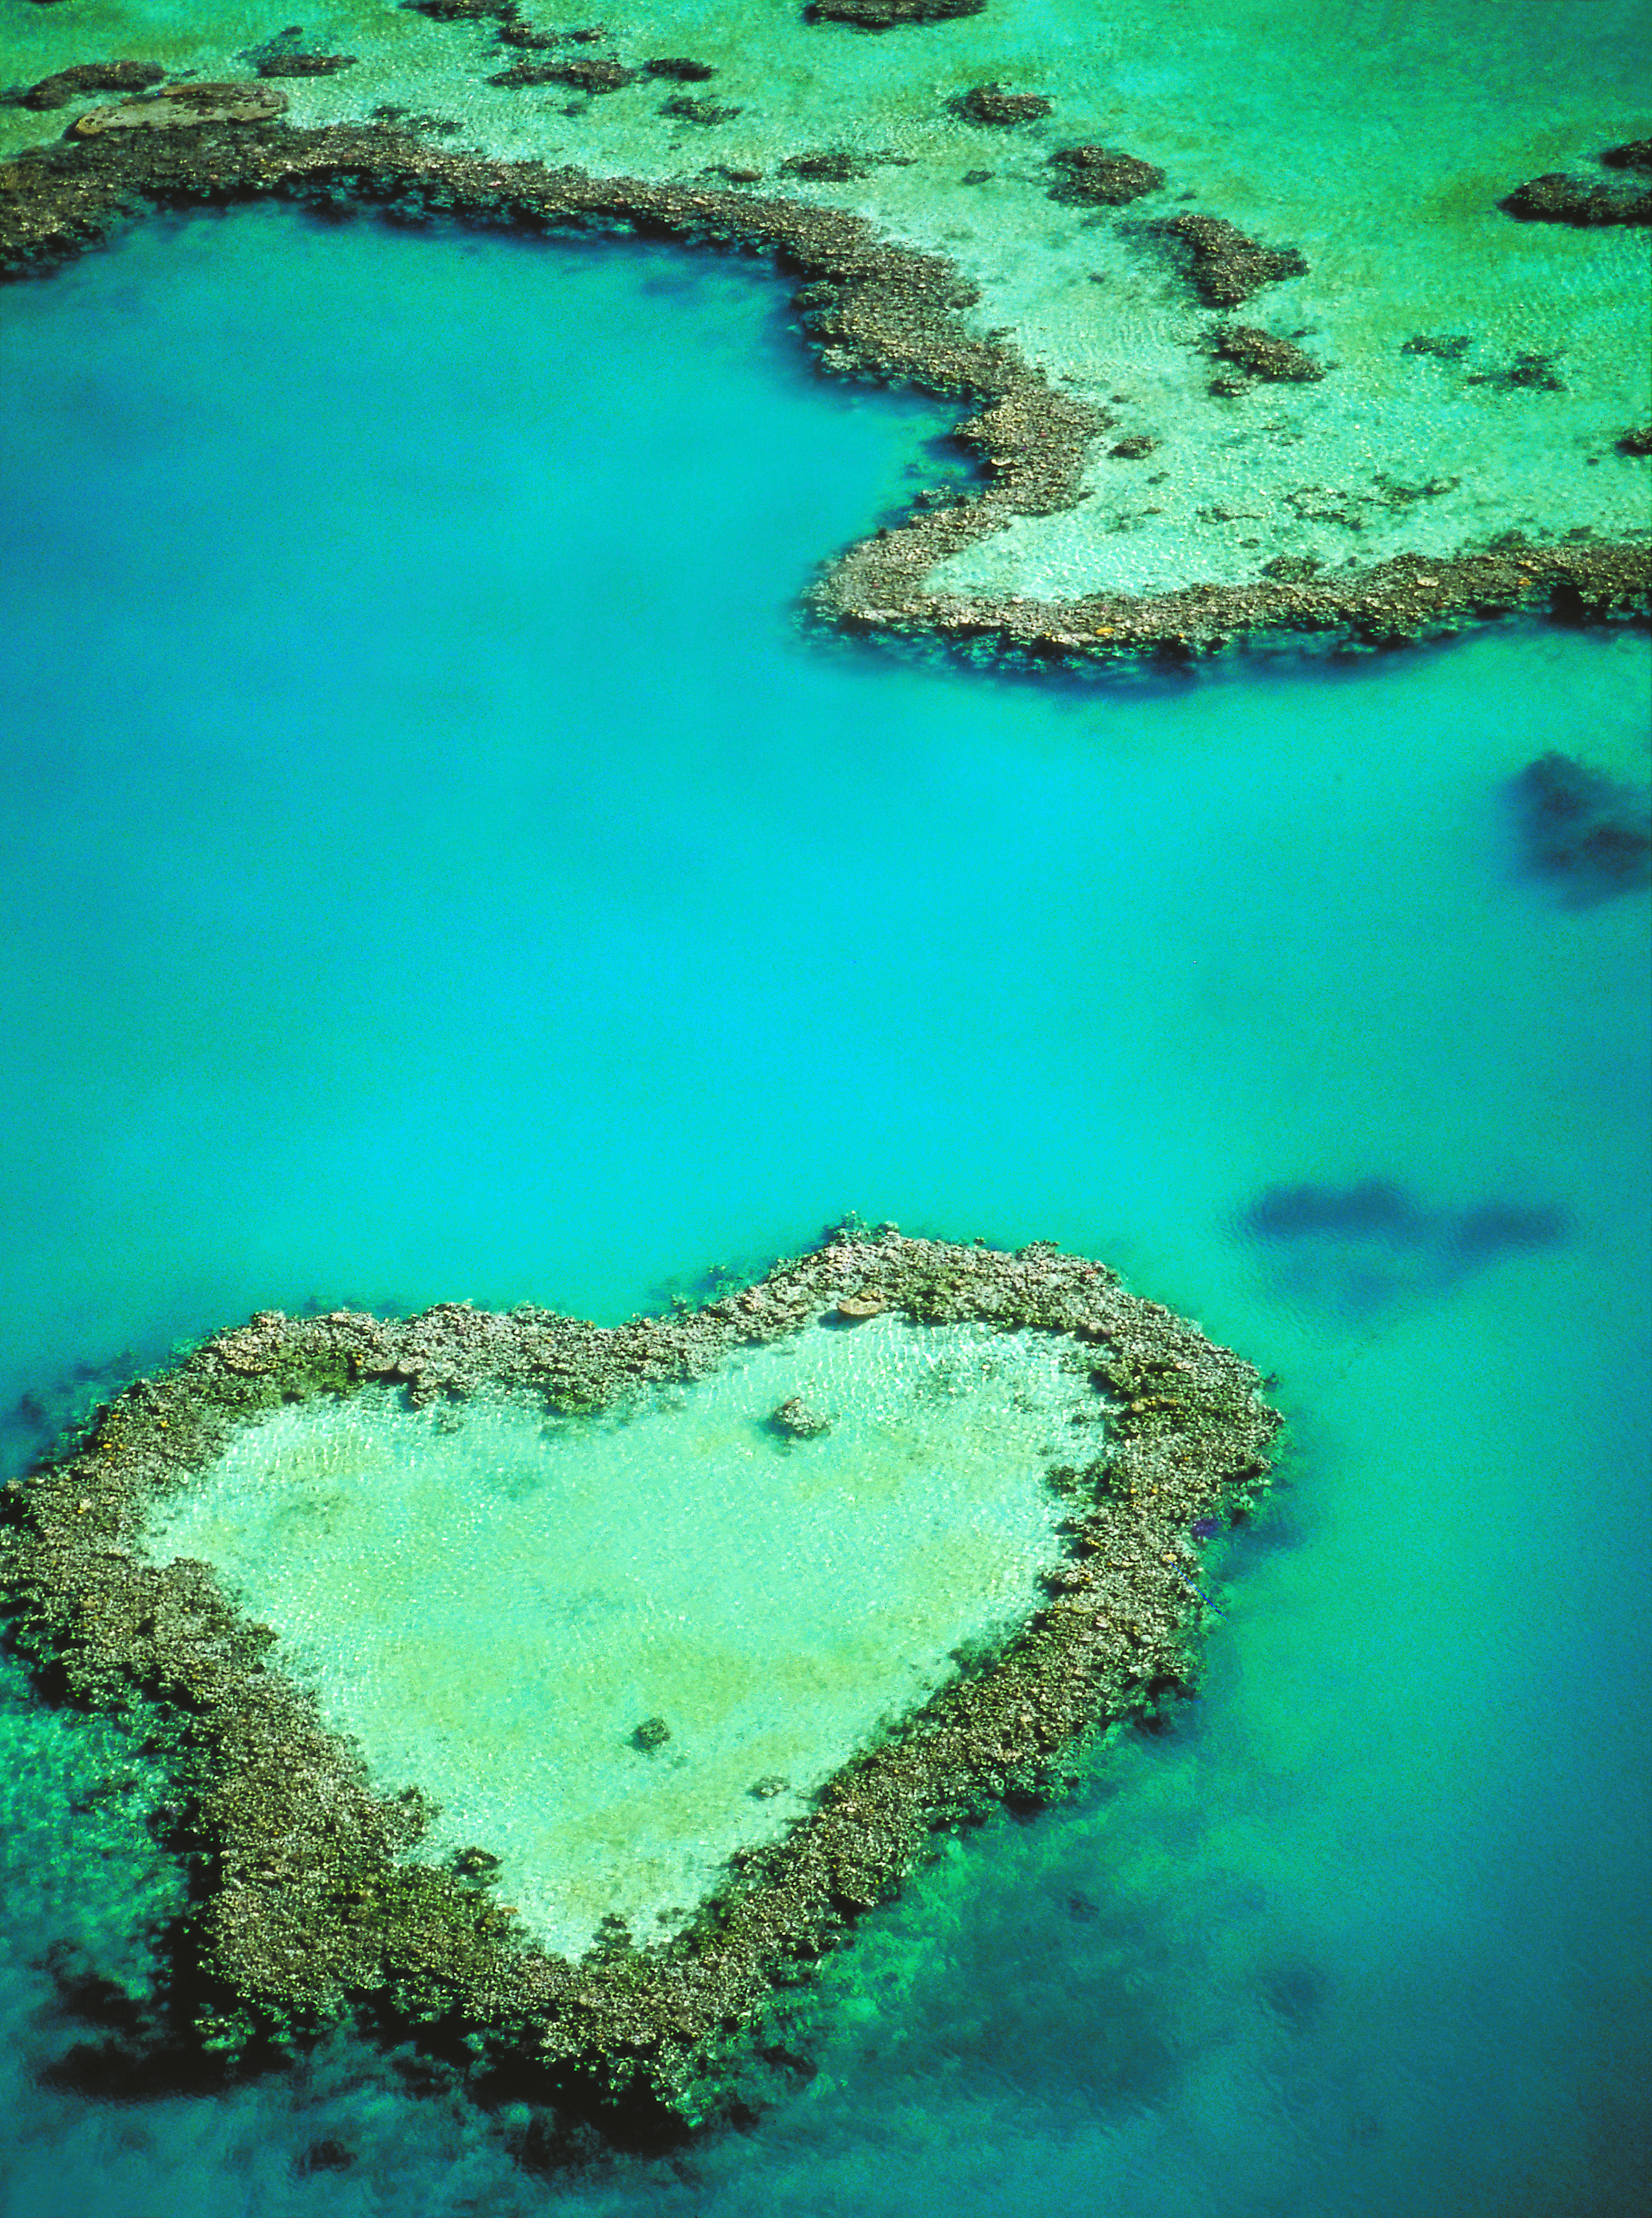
(1583, 837)
(1366, 1248)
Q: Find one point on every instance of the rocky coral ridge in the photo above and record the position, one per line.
(310, 1900)
(887, 14)
(58, 90)
(870, 310)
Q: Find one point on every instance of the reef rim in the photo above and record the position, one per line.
(870, 310)
(307, 1904)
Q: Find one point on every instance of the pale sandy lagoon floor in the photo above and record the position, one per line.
(493, 1603)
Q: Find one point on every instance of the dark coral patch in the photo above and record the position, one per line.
(1225, 264)
(991, 104)
(1102, 177)
(889, 15)
(92, 77)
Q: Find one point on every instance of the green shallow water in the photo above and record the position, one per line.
(389, 920)
(491, 1605)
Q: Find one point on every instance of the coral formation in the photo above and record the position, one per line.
(305, 65)
(310, 1897)
(1225, 264)
(58, 91)
(869, 310)
(1261, 354)
(592, 73)
(1103, 177)
(886, 14)
(992, 103)
(1585, 834)
(1557, 197)
(183, 108)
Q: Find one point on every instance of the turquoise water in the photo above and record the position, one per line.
(492, 1604)
(1417, 117)
(437, 867)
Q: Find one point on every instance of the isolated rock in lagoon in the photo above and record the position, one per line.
(185, 108)
(797, 1420)
(315, 1896)
(1633, 154)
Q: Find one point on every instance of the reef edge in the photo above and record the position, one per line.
(870, 310)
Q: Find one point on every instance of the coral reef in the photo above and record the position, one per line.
(277, 66)
(584, 73)
(1260, 354)
(92, 77)
(869, 310)
(310, 1900)
(1102, 177)
(687, 109)
(1225, 264)
(991, 104)
(1584, 834)
(886, 14)
(183, 108)
(1558, 197)
(1364, 1249)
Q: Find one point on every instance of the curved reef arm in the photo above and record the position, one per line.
(870, 310)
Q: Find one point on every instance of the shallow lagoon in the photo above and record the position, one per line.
(387, 926)
(499, 1606)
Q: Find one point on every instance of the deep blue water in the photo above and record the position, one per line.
(437, 866)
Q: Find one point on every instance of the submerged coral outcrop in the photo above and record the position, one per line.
(311, 1897)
